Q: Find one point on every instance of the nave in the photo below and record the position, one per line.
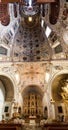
(34, 64)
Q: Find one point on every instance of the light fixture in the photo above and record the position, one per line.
(30, 19)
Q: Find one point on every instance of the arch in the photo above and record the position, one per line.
(32, 88)
(8, 86)
(56, 85)
(6, 94)
(2, 98)
(8, 80)
(32, 103)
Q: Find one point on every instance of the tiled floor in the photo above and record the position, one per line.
(31, 127)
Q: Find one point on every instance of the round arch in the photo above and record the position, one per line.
(6, 93)
(32, 88)
(2, 98)
(8, 86)
(56, 85)
(32, 102)
(8, 79)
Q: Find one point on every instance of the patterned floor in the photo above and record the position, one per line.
(31, 127)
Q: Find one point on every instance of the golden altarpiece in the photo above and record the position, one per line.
(32, 106)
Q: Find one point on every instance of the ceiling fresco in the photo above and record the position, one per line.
(31, 33)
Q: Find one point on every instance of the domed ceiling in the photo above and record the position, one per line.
(34, 33)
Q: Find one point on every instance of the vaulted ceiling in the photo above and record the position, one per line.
(32, 38)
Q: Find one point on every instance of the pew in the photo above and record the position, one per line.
(10, 126)
(55, 126)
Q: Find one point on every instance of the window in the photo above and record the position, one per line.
(58, 49)
(60, 109)
(6, 109)
(47, 32)
(3, 50)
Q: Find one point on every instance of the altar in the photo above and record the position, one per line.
(32, 120)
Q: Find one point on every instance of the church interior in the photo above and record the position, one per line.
(34, 61)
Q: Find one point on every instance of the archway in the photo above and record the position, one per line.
(60, 96)
(32, 103)
(6, 96)
(2, 98)
(58, 87)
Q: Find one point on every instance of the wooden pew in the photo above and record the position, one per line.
(57, 128)
(10, 126)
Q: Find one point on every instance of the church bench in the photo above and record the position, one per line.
(57, 128)
(10, 126)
